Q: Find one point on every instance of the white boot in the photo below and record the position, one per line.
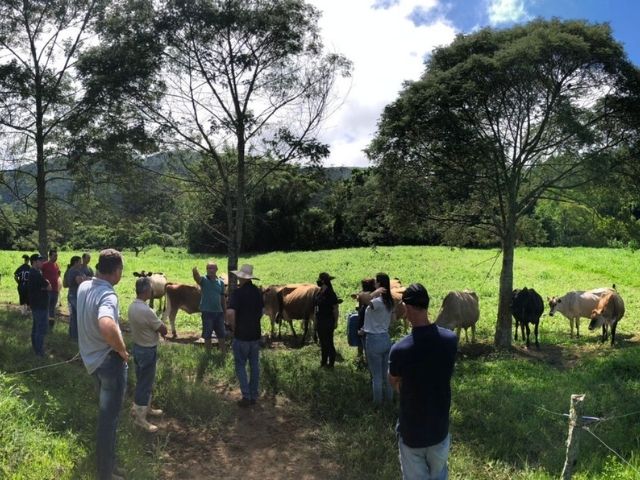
(154, 412)
(140, 418)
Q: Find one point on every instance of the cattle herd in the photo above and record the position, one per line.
(460, 309)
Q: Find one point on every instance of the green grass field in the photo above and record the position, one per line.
(501, 425)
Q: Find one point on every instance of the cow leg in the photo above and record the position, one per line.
(515, 335)
(305, 330)
(522, 329)
(536, 332)
(466, 335)
(577, 327)
(292, 329)
(458, 332)
(571, 320)
(172, 320)
(614, 324)
(526, 324)
(473, 333)
(151, 302)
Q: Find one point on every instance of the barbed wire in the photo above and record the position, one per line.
(42, 367)
(612, 450)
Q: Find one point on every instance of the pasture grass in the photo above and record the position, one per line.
(504, 421)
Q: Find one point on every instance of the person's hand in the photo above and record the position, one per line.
(378, 291)
(124, 355)
(194, 269)
(361, 332)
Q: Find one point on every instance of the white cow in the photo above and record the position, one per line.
(577, 304)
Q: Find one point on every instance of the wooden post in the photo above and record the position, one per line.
(575, 424)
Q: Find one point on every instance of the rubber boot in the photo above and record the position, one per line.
(154, 412)
(140, 419)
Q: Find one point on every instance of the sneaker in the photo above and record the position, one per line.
(245, 402)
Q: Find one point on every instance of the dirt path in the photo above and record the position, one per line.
(261, 442)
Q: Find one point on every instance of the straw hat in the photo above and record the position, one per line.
(246, 271)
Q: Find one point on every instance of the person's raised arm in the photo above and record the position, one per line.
(196, 275)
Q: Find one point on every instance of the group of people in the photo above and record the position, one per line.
(419, 366)
(39, 284)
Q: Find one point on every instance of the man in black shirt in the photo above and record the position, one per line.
(21, 276)
(244, 311)
(420, 369)
(39, 302)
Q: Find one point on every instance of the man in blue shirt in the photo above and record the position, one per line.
(420, 369)
(212, 305)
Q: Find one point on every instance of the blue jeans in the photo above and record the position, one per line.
(53, 303)
(112, 383)
(377, 349)
(145, 360)
(39, 329)
(73, 316)
(213, 322)
(243, 351)
(424, 463)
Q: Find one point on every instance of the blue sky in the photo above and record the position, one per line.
(388, 40)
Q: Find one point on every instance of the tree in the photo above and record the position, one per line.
(502, 118)
(243, 80)
(53, 88)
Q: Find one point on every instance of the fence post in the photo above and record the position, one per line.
(575, 424)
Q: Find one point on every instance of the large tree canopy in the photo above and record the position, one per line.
(501, 118)
(242, 80)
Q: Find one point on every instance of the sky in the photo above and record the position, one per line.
(388, 40)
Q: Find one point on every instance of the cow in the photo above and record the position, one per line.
(460, 310)
(158, 284)
(399, 310)
(295, 301)
(526, 307)
(608, 313)
(180, 296)
(577, 304)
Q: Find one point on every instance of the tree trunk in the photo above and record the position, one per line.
(41, 182)
(502, 338)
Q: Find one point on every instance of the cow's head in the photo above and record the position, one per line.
(553, 304)
(597, 319)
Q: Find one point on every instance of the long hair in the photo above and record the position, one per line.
(383, 280)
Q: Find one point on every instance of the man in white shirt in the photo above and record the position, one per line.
(145, 329)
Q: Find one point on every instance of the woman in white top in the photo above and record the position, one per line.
(377, 318)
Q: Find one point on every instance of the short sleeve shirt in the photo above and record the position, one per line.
(248, 304)
(144, 324)
(377, 317)
(71, 276)
(212, 293)
(51, 271)
(22, 274)
(96, 299)
(424, 361)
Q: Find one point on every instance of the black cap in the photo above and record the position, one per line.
(25, 256)
(324, 277)
(416, 295)
(36, 256)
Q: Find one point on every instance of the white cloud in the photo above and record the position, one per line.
(386, 49)
(506, 11)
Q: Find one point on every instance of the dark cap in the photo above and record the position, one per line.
(36, 256)
(416, 295)
(25, 256)
(325, 277)
(109, 261)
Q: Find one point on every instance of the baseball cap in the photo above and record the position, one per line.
(416, 295)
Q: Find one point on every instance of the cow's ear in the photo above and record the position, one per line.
(339, 301)
(136, 274)
(559, 300)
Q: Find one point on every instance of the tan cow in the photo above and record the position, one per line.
(609, 312)
(158, 284)
(399, 311)
(577, 304)
(460, 310)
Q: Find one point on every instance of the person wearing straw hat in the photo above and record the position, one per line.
(244, 311)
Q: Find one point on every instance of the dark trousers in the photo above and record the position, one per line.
(112, 383)
(328, 350)
(39, 329)
(145, 360)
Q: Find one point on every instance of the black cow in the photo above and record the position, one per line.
(526, 307)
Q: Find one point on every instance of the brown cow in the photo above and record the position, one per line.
(180, 296)
(609, 312)
(295, 301)
(460, 310)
